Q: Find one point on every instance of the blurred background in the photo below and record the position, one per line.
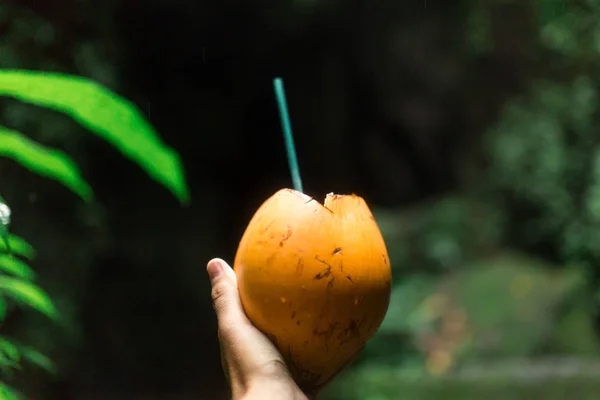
(470, 127)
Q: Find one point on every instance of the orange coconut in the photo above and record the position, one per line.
(315, 278)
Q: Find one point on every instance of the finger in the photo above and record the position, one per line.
(225, 297)
(245, 349)
(230, 318)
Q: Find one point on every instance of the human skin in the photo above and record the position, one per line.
(253, 366)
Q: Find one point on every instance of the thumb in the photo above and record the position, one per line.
(225, 297)
(246, 350)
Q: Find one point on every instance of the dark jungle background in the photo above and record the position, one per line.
(471, 128)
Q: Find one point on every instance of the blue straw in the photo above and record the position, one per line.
(286, 126)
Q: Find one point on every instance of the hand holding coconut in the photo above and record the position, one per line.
(253, 365)
(311, 286)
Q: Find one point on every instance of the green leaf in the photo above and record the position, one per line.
(103, 112)
(3, 309)
(16, 267)
(6, 364)
(9, 350)
(44, 161)
(5, 242)
(7, 393)
(19, 247)
(38, 359)
(27, 293)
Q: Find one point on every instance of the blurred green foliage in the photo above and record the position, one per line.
(492, 383)
(102, 112)
(18, 288)
(506, 267)
(43, 161)
(545, 159)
